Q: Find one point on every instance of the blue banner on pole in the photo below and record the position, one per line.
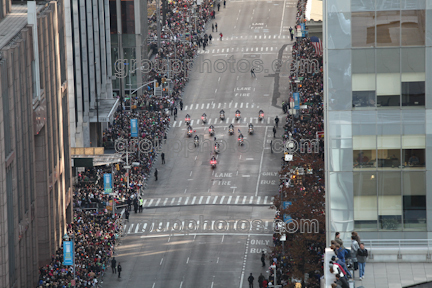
(108, 183)
(286, 218)
(68, 253)
(134, 127)
(296, 100)
(303, 29)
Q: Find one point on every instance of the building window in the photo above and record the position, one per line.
(387, 28)
(414, 200)
(128, 16)
(113, 16)
(363, 29)
(363, 98)
(389, 201)
(413, 27)
(365, 201)
(388, 158)
(413, 93)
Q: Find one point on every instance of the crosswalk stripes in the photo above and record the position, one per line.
(241, 49)
(208, 200)
(207, 225)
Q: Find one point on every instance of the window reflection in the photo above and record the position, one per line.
(363, 29)
(128, 16)
(413, 93)
(388, 28)
(389, 201)
(363, 98)
(365, 200)
(413, 27)
(414, 200)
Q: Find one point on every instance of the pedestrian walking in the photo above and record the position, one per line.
(271, 150)
(274, 131)
(224, 3)
(141, 202)
(163, 157)
(113, 265)
(253, 72)
(291, 34)
(172, 110)
(175, 111)
(212, 29)
(165, 139)
(204, 45)
(250, 280)
(156, 174)
(210, 37)
(262, 253)
(221, 35)
(277, 121)
(218, 6)
(181, 105)
(119, 269)
(216, 26)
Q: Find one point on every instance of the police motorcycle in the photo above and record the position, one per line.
(261, 115)
(187, 119)
(231, 129)
(216, 148)
(240, 140)
(196, 141)
(237, 115)
(189, 131)
(213, 162)
(204, 118)
(251, 130)
(222, 115)
(211, 130)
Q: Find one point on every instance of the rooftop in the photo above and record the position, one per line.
(14, 22)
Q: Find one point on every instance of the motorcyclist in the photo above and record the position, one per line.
(277, 120)
(204, 117)
(213, 159)
(222, 112)
(237, 111)
(187, 118)
(189, 129)
(231, 129)
(261, 114)
(196, 138)
(238, 114)
(211, 129)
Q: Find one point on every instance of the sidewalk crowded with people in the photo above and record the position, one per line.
(95, 229)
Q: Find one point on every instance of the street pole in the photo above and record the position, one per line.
(127, 170)
(158, 22)
(97, 124)
(73, 249)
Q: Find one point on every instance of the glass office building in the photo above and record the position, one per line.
(378, 100)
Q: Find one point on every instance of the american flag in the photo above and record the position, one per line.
(316, 42)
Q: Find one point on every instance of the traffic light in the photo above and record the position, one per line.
(118, 167)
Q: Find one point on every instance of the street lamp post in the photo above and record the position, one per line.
(275, 280)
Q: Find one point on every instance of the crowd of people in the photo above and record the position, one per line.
(95, 228)
(306, 124)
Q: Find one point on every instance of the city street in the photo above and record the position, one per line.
(240, 189)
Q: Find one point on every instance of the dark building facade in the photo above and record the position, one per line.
(35, 174)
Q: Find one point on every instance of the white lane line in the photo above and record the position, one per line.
(181, 284)
(172, 201)
(219, 79)
(197, 105)
(244, 199)
(259, 199)
(193, 200)
(144, 202)
(283, 14)
(215, 90)
(245, 175)
(227, 120)
(268, 120)
(215, 120)
(208, 199)
(153, 285)
(144, 227)
(166, 199)
(247, 105)
(229, 199)
(235, 106)
(219, 103)
(130, 228)
(200, 200)
(161, 261)
(262, 157)
(214, 201)
(157, 202)
(223, 197)
(271, 200)
(136, 228)
(190, 174)
(186, 202)
(202, 106)
(180, 123)
(175, 122)
(185, 191)
(187, 261)
(209, 122)
(208, 105)
(251, 200)
(241, 105)
(151, 201)
(232, 122)
(178, 203)
(185, 108)
(265, 199)
(237, 199)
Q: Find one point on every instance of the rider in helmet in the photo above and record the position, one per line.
(222, 112)
(237, 111)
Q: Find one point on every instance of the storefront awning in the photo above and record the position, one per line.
(107, 108)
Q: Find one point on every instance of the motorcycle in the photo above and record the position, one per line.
(204, 119)
(196, 142)
(222, 116)
(189, 133)
(211, 131)
(261, 116)
(213, 163)
(231, 130)
(240, 141)
(187, 120)
(237, 116)
(251, 130)
(216, 149)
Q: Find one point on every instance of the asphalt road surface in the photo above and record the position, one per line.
(240, 189)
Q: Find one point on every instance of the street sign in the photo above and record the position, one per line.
(127, 167)
(288, 157)
(134, 127)
(286, 204)
(68, 253)
(108, 183)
